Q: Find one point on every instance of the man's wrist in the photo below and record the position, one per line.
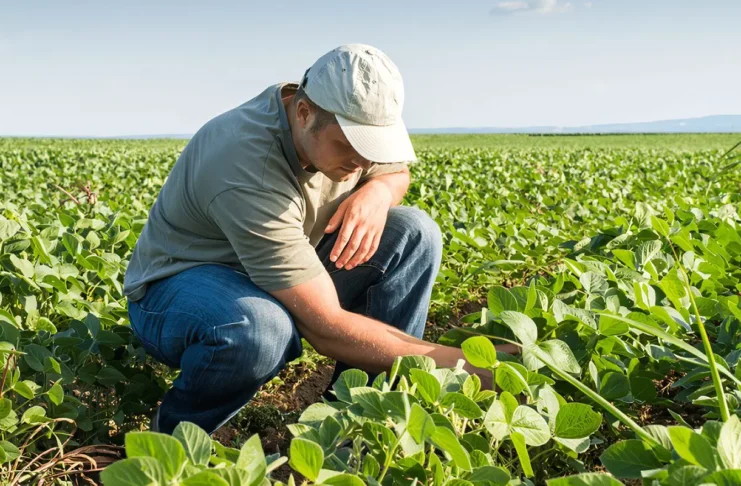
(380, 188)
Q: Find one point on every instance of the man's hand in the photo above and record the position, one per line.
(362, 218)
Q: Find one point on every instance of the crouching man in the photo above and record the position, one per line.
(281, 220)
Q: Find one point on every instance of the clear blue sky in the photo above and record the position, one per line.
(144, 67)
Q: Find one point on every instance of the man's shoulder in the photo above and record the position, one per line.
(241, 148)
(255, 120)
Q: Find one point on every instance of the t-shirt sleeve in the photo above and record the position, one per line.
(376, 170)
(265, 230)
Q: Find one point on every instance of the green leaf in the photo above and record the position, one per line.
(5, 407)
(428, 385)
(446, 440)
(497, 420)
(693, 447)
(593, 283)
(23, 265)
(519, 442)
(647, 251)
(660, 226)
(306, 457)
(480, 352)
(26, 389)
(370, 400)
(10, 450)
(531, 425)
(675, 290)
(458, 482)
(627, 257)
(33, 415)
(8, 228)
(403, 364)
(490, 474)
(135, 472)
(576, 420)
(612, 327)
(420, 425)
(682, 475)
(462, 405)
(329, 432)
(614, 385)
(729, 443)
(205, 478)
(234, 477)
(344, 479)
(396, 404)
(195, 441)
(371, 467)
(500, 299)
(509, 379)
(56, 394)
(51, 365)
(252, 459)
(164, 448)
(587, 479)
(628, 458)
(729, 477)
(561, 355)
(522, 326)
(472, 386)
(35, 356)
(109, 376)
(642, 388)
(315, 414)
(109, 338)
(348, 380)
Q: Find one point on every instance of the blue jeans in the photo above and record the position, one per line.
(228, 337)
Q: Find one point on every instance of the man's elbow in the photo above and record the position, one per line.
(318, 336)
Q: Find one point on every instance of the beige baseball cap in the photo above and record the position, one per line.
(364, 90)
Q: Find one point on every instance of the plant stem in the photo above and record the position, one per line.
(665, 337)
(390, 456)
(724, 413)
(545, 358)
(710, 355)
(537, 456)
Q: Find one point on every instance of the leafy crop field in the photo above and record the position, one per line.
(613, 262)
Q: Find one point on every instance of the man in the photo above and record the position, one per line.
(280, 220)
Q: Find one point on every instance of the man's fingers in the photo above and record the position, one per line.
(352, 247)
(343, 239)
(363, 253)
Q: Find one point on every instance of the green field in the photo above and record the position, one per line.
(673, 142)
(614, 262)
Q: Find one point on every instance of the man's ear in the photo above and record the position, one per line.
(304, 114)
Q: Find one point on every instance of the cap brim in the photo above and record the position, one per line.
(379, 144)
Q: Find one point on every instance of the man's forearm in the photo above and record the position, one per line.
(397, 183)
(373, 346)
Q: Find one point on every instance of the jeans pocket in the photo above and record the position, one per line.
(147, 326)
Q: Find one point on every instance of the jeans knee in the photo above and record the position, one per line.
(262, 342)
(421, 230)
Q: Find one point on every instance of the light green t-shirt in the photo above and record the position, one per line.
(238, 196)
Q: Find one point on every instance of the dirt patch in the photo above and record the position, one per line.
(442, 320)
(274, 407)
(300, 388)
